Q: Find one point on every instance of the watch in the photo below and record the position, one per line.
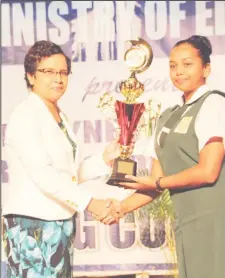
(157, 183)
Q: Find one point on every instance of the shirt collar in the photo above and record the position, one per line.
(198, 93)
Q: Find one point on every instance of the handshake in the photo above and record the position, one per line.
(106, 211)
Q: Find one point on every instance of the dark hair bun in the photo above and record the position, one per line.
(202, 42)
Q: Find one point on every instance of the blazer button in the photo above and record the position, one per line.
(74, 178)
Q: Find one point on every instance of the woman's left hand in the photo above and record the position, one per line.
(141, 183)
(111, 152)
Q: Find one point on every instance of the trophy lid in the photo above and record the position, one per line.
(139, 57)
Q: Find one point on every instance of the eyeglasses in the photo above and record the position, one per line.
(52, 73)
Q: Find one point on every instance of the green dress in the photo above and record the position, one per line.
(199, 212)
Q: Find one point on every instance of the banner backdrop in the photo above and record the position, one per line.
(93, 34)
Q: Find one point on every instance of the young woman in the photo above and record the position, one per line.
(189, 161)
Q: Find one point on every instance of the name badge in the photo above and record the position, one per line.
(183, 125)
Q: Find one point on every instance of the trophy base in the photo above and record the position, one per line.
(121, 168)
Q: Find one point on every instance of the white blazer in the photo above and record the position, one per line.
(42, 172)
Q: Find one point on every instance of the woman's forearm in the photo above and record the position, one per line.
(205, 172)
(138, 200)
(195, 176)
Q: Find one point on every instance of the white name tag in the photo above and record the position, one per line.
(183, 125)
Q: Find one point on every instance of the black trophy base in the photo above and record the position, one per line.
(121, 168)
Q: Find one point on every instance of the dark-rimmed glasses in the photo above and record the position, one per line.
(52, 73)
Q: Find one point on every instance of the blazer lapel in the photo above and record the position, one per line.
(69, 130)
(51, 126)
(73, 137)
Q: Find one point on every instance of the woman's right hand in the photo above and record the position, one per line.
(106, 211)
(100, 208)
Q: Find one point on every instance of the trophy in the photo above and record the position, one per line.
(128, 112)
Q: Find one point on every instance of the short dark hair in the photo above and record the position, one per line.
(40, 50)
(202, 44)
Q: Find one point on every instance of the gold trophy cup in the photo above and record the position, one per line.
(128, 112)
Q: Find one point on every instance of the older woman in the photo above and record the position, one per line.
(45, 169)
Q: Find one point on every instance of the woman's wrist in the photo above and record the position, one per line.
(125, 207)
(158, 186)
(97, 205)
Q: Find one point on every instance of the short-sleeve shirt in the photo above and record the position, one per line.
(210, 121)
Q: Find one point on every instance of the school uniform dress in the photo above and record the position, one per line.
(182, 131)
(39, 203)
